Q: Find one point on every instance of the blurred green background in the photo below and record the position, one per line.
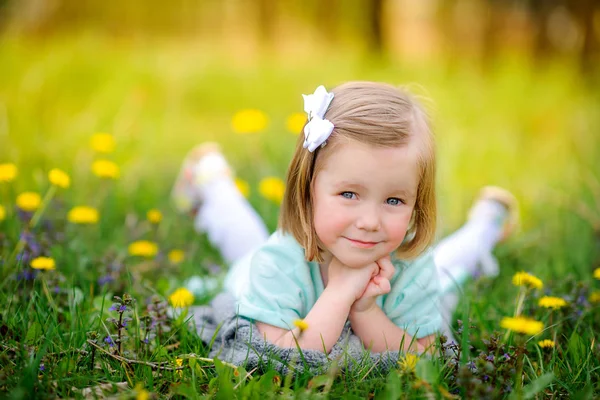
(512, 87)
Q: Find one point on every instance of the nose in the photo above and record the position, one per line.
(369, 218)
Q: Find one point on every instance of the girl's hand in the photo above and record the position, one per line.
(352, 282)
(378, 285)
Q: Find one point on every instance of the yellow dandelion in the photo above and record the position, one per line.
(176, 256)
(154, 216)
(597, 273)
(102, 143)
(141, 393)
(243, 187)
(552, 302)
(249, 121)
(594, 297)
(528, 280)
(44, 263)
(83, 215)
(408, 363)
(301, 324)
(181, 298)
(59, 178)
(522, 325)
(2, 213)
(8, 172)
(29, 201)
(546, 343)
(105, 169)
(143, 248)
(295, 122)
(179, 363)
(272, 188)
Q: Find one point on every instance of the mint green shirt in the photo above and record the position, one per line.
(276, 285)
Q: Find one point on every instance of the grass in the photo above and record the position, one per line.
(530, 128)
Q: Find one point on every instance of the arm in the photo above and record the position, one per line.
(325, 323)
(379, 333)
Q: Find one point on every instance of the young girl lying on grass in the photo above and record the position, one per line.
(355, 231)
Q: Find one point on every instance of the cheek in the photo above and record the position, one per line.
(329, 222)
(397, 230)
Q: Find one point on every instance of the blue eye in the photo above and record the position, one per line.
(347, 195)
(394, 201)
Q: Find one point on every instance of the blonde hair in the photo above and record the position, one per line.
(377, 114)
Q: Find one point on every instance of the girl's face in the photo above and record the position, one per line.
(363, 199)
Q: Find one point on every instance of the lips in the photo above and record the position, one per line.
(361, 244)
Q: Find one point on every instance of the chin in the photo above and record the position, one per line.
(357, 261)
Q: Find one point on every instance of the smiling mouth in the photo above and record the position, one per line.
(361, 244)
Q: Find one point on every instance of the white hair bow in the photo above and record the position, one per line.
(317, 130)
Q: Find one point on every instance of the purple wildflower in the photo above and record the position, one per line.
(26, 275)
(42, 367)
(506, 356)
(113, 307)
(123, 308)
(490, 358)
(109, 341)
(485, 378)
(471, 365)
(103, 280)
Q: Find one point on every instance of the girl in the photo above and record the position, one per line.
(356, 223)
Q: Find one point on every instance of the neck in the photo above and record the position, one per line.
(324, 267)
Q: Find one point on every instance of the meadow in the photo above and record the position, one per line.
(113, 120)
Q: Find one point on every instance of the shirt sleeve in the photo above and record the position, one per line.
(413, 301)
(275, 294)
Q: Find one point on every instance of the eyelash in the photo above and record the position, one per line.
(400, 201)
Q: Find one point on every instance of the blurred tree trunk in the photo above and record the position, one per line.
(494, 13)
(266, 22)
(374, 27)
(583, 11)
(540, 11)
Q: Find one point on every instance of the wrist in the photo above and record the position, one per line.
(363, 307)
(339, 295)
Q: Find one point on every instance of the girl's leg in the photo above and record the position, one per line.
(206, 187)
(467, 253)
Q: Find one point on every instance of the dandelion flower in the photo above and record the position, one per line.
(29, 201)
(102, 143)
(295, 122)
(179, 363)
(83, 215)
(154, 216)
(8, 172)
(272, 189)
(546, 343)
(522, 325)
(59, 178)
(249, 121)
(2, 213)
(243, 187)
(181, 298)
(105, 169)
(597, 273)
(301, 324)
(176, 256)
(143, 248)
(526, 279)
(552, 302)
(44, 263)
(141, 393)
(408, 363)
(594, 297)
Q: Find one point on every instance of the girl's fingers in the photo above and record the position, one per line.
(386, 268)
